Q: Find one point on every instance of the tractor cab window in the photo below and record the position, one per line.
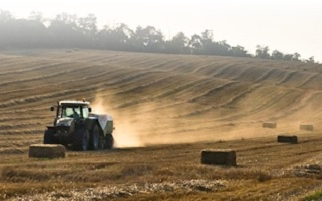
(71, 112)
(85, 112)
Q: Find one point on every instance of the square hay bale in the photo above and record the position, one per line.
(218, 157)
(269, 125)
(306, 127)
(287, 139)
(47, 151)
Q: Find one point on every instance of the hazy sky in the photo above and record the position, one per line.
(286, 25)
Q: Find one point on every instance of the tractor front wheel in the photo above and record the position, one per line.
(48, 137)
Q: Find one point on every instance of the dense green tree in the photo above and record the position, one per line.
(118, 38)
(87, 26)
(178, 44)
(148, 39)
(262, 52)
(195, 43)
(5, 16)
(238, 51)
(296, 56)
(311, 60)
(288, 57)
(65, 32)
(277, 55)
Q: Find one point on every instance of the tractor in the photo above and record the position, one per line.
(75, 125)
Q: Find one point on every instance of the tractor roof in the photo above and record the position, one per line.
(69, 102)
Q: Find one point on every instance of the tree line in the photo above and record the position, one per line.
(70, 31)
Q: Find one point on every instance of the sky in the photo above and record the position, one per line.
(286, 25)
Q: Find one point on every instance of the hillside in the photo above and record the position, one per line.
(159, 100)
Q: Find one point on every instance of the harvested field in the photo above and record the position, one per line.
(166, 109)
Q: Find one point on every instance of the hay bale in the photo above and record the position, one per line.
(287, 139)
(47, 151)
(269, 125)
(218, 157)
(306, 127)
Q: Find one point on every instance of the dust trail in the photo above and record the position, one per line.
(126, 133)
(145, 124)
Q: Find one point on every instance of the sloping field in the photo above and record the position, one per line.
(170, 107)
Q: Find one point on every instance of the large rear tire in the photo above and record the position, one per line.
(109, 141)
(81, 139)
(95, 138)
(49, 137)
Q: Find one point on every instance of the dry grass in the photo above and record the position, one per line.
(168, 107)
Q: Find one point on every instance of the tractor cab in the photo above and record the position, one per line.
(72, 109)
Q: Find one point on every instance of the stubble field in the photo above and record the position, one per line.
(166, 109)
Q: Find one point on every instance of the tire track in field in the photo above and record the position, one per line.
(93, 87)
(239, 76)
(199, 82)
(297, 107)
(203, 67)
(312, 82)
(6, 119)
(287, 78)
(11, 126)
(85, 78)
(118, 61)
(140, 62)
(22, 101)
(42, 77)
(159, 96)
(211, 71)
(294, 108)
(149, 98)
(178, 89)
(33, 131)
(230, 103)
(234, 100)
(227, 71)
(185, 68)
(266, 75)
(147, 84)
(212, 91)
(33, 68)
(164, 65)
(261, 108)
(20, 64)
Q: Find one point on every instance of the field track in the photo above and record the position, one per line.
(170, 107)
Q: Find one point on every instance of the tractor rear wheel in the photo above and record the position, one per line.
(109, 141)
(95, 138)
(81, 139)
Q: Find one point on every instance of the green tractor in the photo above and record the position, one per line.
(76, 126)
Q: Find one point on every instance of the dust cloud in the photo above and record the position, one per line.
(126, 133)
(148, 124)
